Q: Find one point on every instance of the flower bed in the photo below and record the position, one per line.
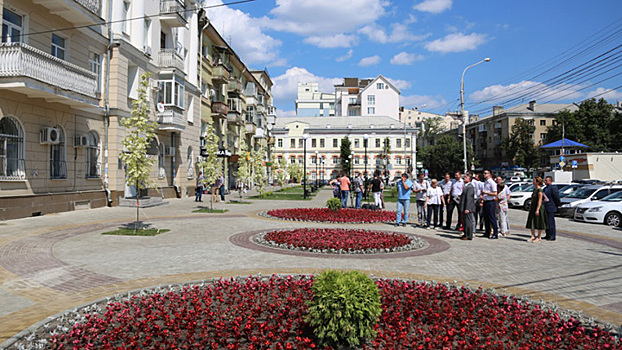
(340, 241)
(344, 215)
(270, 313)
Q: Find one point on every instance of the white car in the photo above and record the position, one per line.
(519, 198)
(607, 211)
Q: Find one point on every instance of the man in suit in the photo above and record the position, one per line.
(552, 193)
(467, 206)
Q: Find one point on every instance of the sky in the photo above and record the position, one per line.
(551, 51)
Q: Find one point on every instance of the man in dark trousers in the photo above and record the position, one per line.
(552, 193)
(467, 208)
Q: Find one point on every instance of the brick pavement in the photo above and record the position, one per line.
(52, 263)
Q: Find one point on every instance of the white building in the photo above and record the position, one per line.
(414, 117)
(367, 97)
(310, 102)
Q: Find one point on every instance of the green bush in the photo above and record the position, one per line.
(266, 194)
(344, 309)
(333, 204)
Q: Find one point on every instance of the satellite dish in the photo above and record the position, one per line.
(160, 107)
(212, 93)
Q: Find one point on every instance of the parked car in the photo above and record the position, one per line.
(520, 196)
(514, 186)
(585, 194)
(515, 179)
(569, 189)
(606, 211)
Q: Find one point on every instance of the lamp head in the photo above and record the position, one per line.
(365, 137)
(487, 59)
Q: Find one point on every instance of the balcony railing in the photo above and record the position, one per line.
(235, 86)
(21, 60)
(12, 168)
(174, 10)
(219, 107)
(220, 73)
(91, 5)
(58, 169)
(168, 58)
(171, 119)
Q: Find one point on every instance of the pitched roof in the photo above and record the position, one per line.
(564, 143)
(356, 122)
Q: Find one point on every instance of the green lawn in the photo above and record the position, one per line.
(390, 196)
(208, 210)
(131, 232)
(288, 193)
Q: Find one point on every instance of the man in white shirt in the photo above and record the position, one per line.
(488, 196)
(420, 187)
(445, 186)
(454, 199)
(479, 186)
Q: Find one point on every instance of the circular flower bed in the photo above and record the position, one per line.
(344, 215)
(339, 241)
(255, 313)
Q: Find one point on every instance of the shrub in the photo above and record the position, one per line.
(266, 194)
(333, 204)
(344, 309)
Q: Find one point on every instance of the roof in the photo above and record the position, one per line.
(564, 143)
(357, 122)
(541, 108)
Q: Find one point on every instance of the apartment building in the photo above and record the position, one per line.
(415, 117)
(323, 136)
(367, 97)
(310, 102)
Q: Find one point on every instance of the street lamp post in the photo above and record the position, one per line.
(365, 140)
(304, 171)
(317, 178)
(463, 114)
(350, 157)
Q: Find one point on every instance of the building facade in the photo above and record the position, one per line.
(367, 97)
(310, 102)
(324, 136)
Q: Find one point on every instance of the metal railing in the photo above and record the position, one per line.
(12, 168)
(219, 107)
(91, 5)
(58, 169)
(21, 60)
(169, 58)
(174, 6)
(171, 116)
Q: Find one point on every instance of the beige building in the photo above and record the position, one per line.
(415, 117)
(605, 166)
(310, 102)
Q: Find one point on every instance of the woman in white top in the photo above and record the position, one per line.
(433, 201)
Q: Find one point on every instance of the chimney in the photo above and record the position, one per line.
(496, 110)
(532, 106)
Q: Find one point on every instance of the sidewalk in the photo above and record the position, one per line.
(56, 262)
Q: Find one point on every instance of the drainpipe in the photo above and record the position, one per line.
(107, 104)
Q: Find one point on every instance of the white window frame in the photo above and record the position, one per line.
(12, 168)
(371, 100)
(378, 143)
(292, 160)
(147, 32)
(279, 143)
(10, 27)
(93, 154)
(125, 23)
(335, 160)
(357, 143)
(380, 86)
(57, 49)
(58, 156)
(95, 62)
(371, 110)
(172, 92)
(398, 143)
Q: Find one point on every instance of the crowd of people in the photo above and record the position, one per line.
(217, 189)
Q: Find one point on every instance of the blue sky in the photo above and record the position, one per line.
(424, 45)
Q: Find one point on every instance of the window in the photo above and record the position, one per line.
(357, 160)
(146, 32)
(58, 47)
(12, 27)
(300, 160)
(377, 143)
(357, 143)
(161, 162)
(407, 142)
(279, 143)
(398, 143)
(125, 18)
(335, 143)
(172, 92)
(189, 160)
(542, 136)
(314, 160)
(352, 100)
(301, 143)
(190, 109)
(371, 110)
(292, 160)
(92, 156)
(279, 158)
(351, 113)
(58, 168)
(313, 143)
(371, 99)
(95, 62)
(380, 86)
(322, 143)
(292, 143)
(398, 160)
(335, 160)
(12, 165)
(543, 122)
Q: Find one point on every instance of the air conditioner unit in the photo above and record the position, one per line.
(80, 141)
(169, 151)
(155, 85)
(50, 136)
(147, 50)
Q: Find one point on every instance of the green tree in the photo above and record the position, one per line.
(280, 171)
(259, 170)
(346, 152)
(386, 150)
(520, 147)
(243, 174)
(294, 171)
(140, 130)
(446, 155)
(210, 165)
(432, 127)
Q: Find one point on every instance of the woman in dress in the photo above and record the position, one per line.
(537, 214)
(433, 201)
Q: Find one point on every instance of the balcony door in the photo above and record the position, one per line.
(12, 27)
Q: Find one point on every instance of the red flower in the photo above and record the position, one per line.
(345, 215)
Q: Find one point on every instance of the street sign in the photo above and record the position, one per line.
(562, 158)
(419, 164)
(426, 173)
(561, 164)
(575, 164)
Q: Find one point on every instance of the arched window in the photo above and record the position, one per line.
(58, 167)
(190, 163)
(92, 155)
(12, 165)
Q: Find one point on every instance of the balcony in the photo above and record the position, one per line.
(234, 117)
(172, 119)
(169, 58)
(78, 12)
(173, 13)
(251, 128)
(259, 133)
(220, 74)
(38, 74)
(219, 109)
(235, 87)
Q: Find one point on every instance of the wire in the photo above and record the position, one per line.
(135, 18)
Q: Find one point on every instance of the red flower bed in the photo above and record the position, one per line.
(344, 215)
(270, 314)
(339, 239)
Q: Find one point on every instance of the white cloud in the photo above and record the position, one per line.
(400, 84)
(399, 34)
(332, 41)
(286, 114)
(405, 58)
(345, 57)
(244, 33)
(370, 61)
(527, 90)
(433, 6)
(431, 102)
(608, 94)
(285, 85)
(456, 42)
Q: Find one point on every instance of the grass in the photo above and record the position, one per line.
(288, 193)
(390, 196)
(208, 210)
(235, 201)
(131, 232)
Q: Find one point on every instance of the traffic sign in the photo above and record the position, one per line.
(575, 164)
(561, 164)
(419, 164)
(562, 159)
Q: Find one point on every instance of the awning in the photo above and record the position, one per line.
(564, 143)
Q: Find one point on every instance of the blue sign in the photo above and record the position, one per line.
(562, 159)
(575, 164)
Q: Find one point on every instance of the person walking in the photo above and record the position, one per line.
(501, 209)
(403, 200)
(552, 193)
(358, 188)
(376, 185)
(198, 190)
(420, 188)
(454, 199)
(344, 186)
(445, 186)
(536, 220)
(221, 188)
(433, 201)
(467, 206)
(479, 212)
(489, 193)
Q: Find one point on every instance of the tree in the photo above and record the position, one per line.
(346, 152)
(280, 171)
(520, 147)
(210, 165)
(431, 128)
(140, 130)
(386, 150)
(294, 171)
(259, 171)
(444, 156)
(243, 174)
